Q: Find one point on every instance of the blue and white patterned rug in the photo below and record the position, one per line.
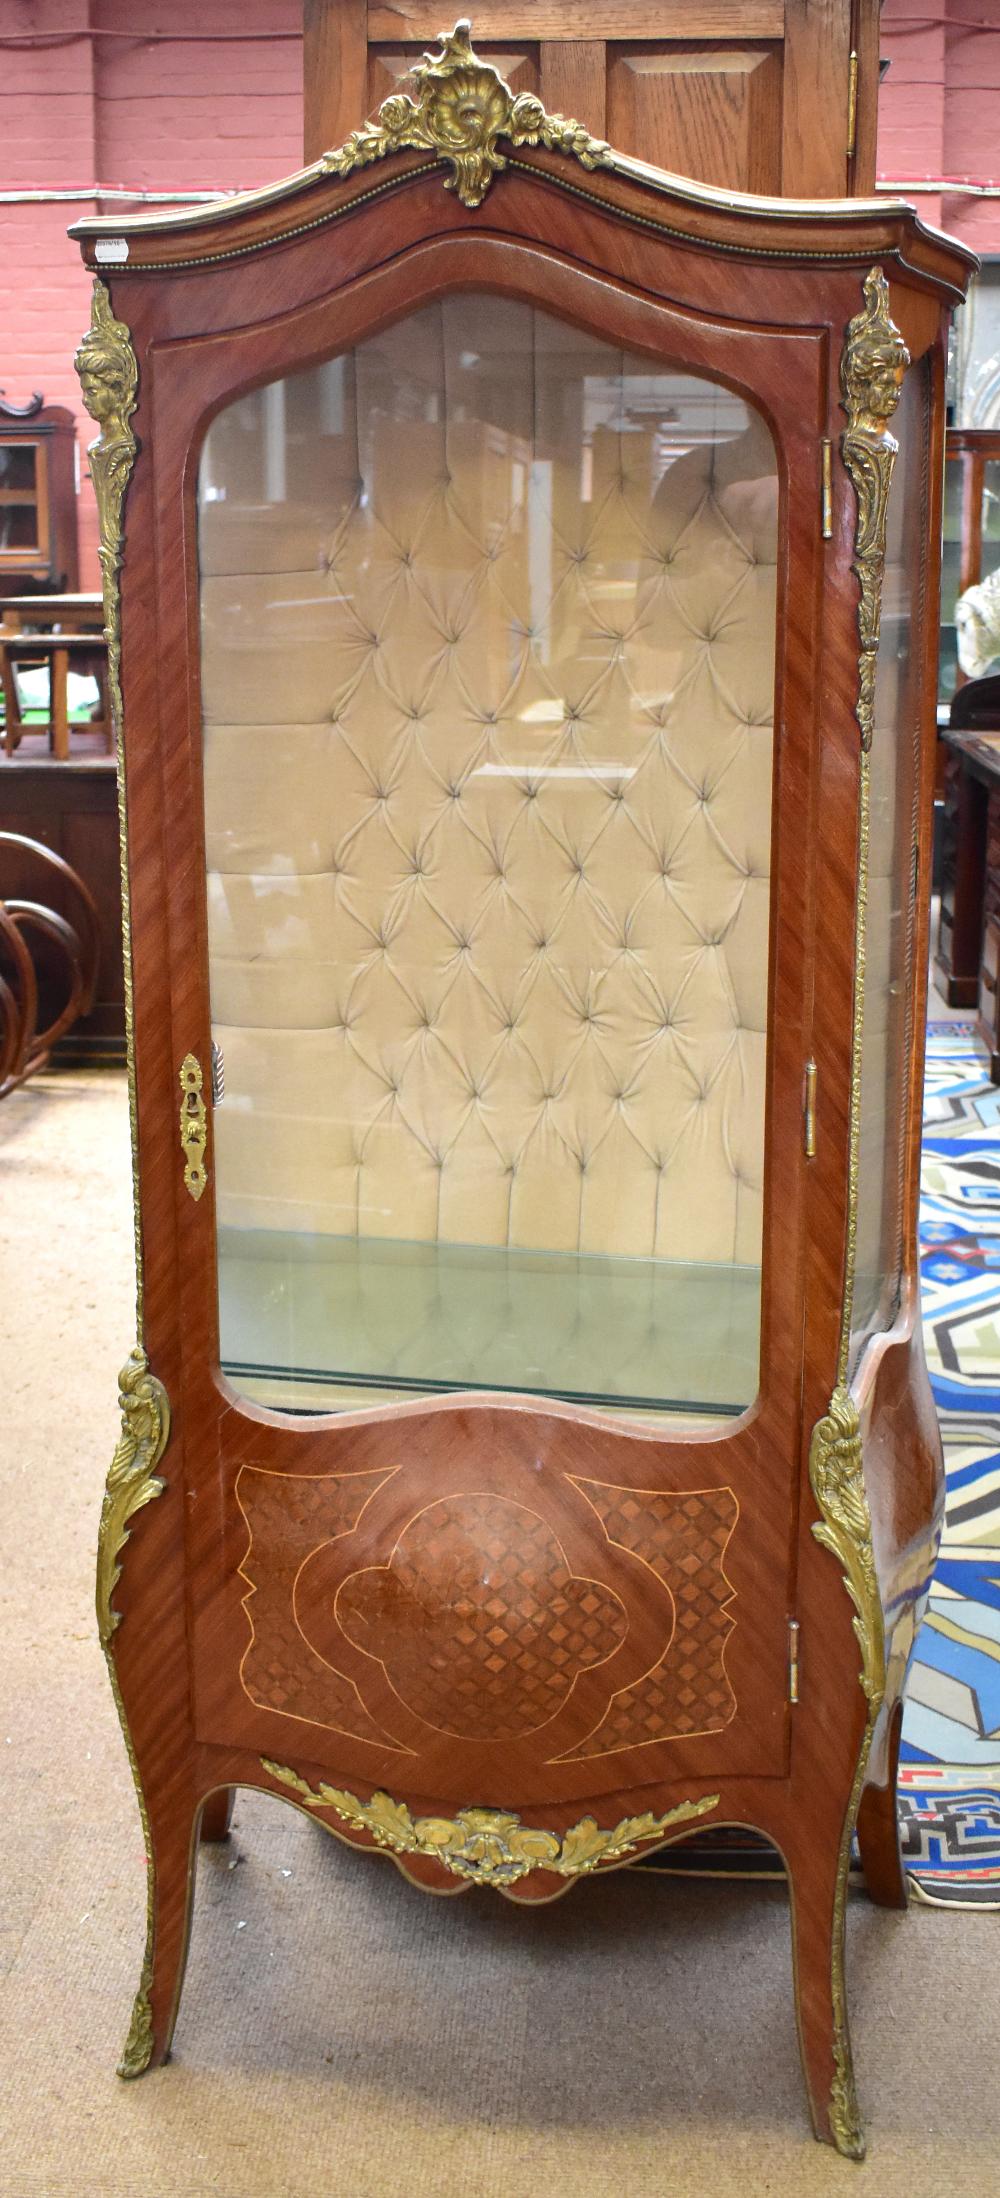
(953, 1696)
(949, 1784)
(950, 1788)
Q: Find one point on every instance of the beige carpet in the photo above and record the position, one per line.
(340, 2033)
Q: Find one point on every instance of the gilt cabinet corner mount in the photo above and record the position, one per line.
(517, 604)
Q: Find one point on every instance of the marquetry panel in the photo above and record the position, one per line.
(287, 1519)
(479, 1622)
(394, 1611)
(683, 1539)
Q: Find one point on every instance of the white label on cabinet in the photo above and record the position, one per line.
(108, 249)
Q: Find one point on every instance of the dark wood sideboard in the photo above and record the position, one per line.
(970, 853)
(969, 933)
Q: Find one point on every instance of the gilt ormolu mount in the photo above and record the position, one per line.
(500, 1296)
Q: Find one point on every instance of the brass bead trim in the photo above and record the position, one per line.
(797, 255)
(489, 1846)
(192, 263)
(109, 380)
(463, 106)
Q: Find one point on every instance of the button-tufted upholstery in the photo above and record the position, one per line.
(487, 671)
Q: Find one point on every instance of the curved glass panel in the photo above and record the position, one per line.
(893, 833)
(951, 573)
(488, 636)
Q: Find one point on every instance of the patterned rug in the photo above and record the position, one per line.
(949, 1785)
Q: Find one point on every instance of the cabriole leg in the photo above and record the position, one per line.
(818, 1888)
(878, 1830)
(170, 1861)
(217, 1814)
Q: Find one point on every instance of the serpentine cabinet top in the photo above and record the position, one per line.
(463, 117)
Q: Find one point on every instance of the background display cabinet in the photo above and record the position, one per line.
(527, 1450)
(38, 467)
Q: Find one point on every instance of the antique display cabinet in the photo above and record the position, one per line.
(527, 1449)
(38, 468)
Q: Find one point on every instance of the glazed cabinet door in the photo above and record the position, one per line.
(490, 1165)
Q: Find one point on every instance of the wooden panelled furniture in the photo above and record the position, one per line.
(37, 497)
(968, 942)
(60, 634)
(971, 548)
(59, 654)
(777, 96)
(527, 1448)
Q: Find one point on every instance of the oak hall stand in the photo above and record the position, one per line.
(527, 1449)
(779, 96)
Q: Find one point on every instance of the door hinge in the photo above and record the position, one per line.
(826, 489)
(809, 1111)
(852, 106)
(793, 1659)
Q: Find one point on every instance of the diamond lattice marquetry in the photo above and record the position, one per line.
(288, 1516)
(478, 1620)
(683, 1538)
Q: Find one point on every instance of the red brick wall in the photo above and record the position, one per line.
(224, 112)
(156, 114)
(939, 107)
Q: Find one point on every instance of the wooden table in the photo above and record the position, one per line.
(85, 652)
(40, 613)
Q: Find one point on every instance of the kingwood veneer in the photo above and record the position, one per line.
(512, 1638)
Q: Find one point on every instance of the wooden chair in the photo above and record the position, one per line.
(28, 869)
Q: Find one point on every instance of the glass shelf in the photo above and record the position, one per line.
(335, 1322)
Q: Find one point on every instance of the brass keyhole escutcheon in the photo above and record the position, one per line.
(194, 1129)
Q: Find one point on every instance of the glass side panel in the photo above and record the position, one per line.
(951, 571)
(990, 557)
(890, 946)
(488, 637)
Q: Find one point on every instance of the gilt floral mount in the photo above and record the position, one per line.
(461, 108)
(490, 1846)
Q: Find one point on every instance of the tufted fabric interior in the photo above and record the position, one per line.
(487, 668)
